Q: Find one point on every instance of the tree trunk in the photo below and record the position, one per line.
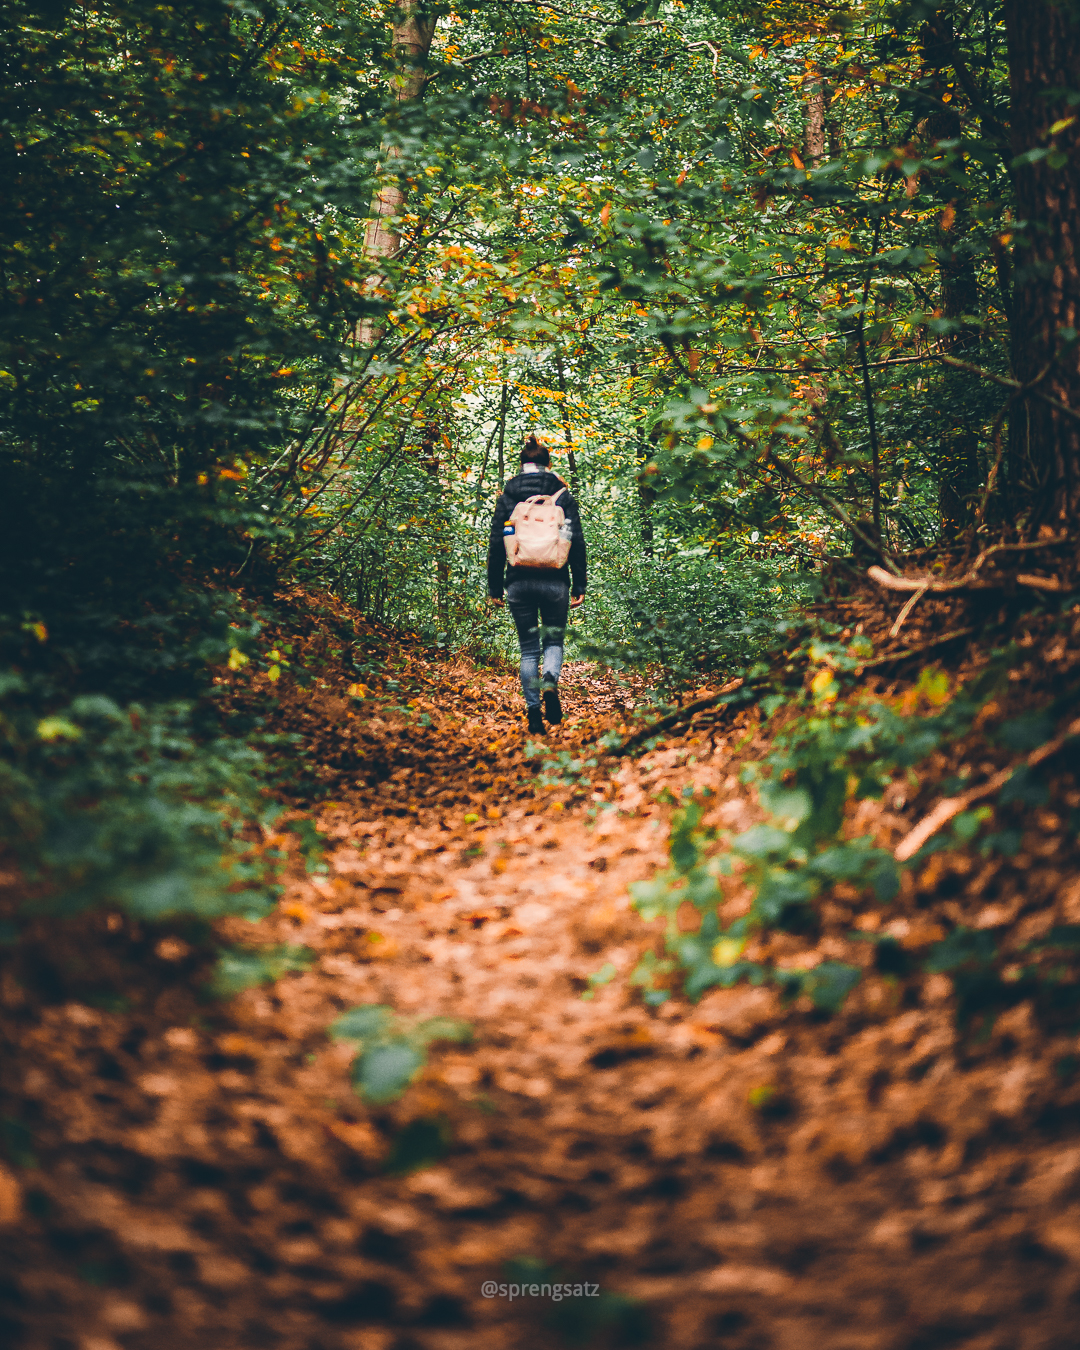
(645, 489)
(571, 462)
(429, 460)
(502, 436)
(411, 39)
(815, 123)
(958, 452)
(1043, 464)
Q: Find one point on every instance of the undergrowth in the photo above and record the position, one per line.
(832, 754)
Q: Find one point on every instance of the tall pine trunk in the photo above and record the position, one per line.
(1044, 441)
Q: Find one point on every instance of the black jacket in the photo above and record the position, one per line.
(520, 489)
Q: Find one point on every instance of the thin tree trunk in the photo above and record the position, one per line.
(570, 460)
(645, 489)
(483, 473)
(815, 123)
(429, 460)
(502, 436)
(411, 38)
(958, 455)
(1044, 442)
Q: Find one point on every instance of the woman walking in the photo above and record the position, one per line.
(541, 584)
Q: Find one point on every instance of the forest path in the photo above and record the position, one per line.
(731, 1174)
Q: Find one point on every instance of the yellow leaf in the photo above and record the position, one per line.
(933, 685)
(727, 951)
(237, 659)
(1060, 125)
(705, 443)
(274, 673)
(57, 729)
(824, 686)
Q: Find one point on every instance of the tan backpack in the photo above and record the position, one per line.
(537, 533)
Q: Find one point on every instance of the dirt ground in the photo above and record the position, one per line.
(187, 1175)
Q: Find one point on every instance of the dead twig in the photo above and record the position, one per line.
(688, 710)
(1015, 385)
(909, 605)
(949, 807)
(938, 584)
(917, 651)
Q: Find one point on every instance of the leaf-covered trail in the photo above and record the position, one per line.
(734, 1174)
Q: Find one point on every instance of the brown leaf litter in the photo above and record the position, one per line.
(195, 1176)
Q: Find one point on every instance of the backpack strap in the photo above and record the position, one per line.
(558, 495)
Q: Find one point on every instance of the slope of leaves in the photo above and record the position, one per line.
(182, 1172)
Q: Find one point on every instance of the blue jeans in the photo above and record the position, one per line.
(546, 596)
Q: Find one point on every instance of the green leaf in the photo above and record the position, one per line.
(442, 1029)
(1027, 732)
(789, 807)
(964, 946)
(829, 984)
(762, 841)
(382, 1074)
(238, 969)
(362, 1023)
(421, 1143)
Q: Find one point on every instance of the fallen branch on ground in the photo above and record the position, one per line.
(949, 807)
(939, 584)
(917, 651)
(688, 710)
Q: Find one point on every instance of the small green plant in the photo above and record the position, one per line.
(238, 968)
(598, 979)
(391, 1049)
(312, 844)
(420, 1143)
(827, 758)
(104, 803)
(565, 769)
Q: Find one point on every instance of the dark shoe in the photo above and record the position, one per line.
(552, 707)
(536, 721)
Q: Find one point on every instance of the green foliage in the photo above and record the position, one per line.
(158, 223)
(238, 968)
(127, 806)
(563, 768)
(420, 1143)
(599, 978)
(392, 1049)
(829, 756)
(312, 843)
